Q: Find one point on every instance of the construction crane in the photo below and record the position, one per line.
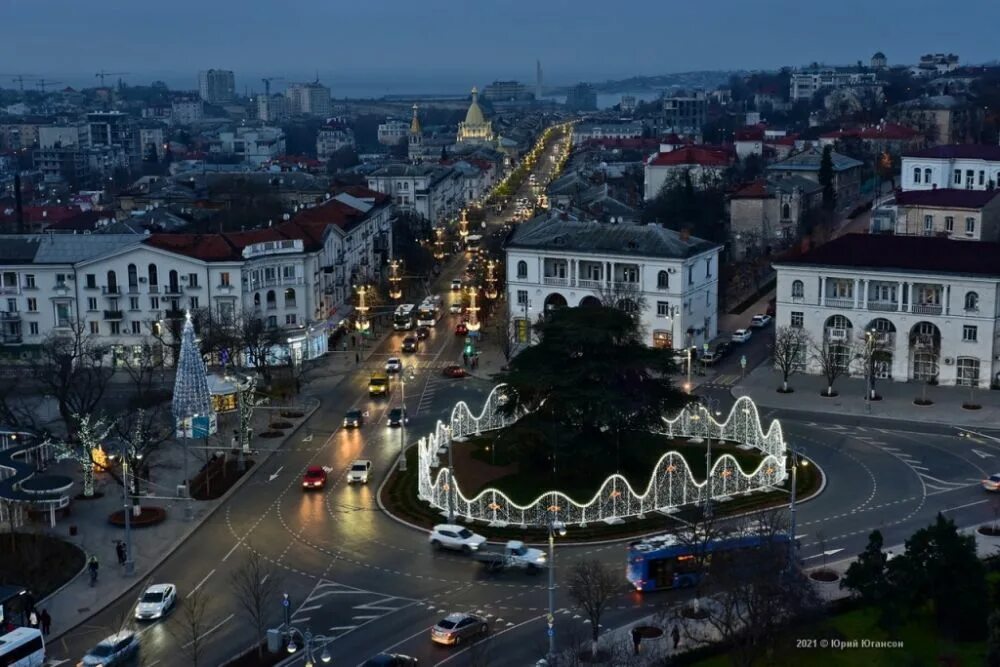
(267, 84)
(100, 75)
(20, 79)
(42, 83)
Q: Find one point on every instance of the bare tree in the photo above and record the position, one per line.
(791, 345)
(144, 368)
(697, 536)
(871, 349)
(189, 624)
(140, 434)
(256, 585)
(625, 296)
(257, 341)
(833, 359)
(591, 585)
(502, 328)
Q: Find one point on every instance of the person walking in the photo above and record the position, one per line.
(357, 359)
(92, 566)
(636, 639)
(675, 634)
(33, 619)
(120, 551)
(46, 622)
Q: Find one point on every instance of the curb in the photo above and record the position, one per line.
(187, 534)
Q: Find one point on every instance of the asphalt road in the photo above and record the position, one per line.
(372, 585)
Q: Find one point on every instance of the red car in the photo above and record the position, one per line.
(315, 478)
(461, 329)
(453, 371)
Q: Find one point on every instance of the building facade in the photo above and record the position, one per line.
(432, 192)
(967, 166)
(391, 132)
(253, 145)
(217, 86)
(969, 215)
(669, 280)
(310, 99)
(807, 82)
(767, 215)
(929, 305)
(806, 164)
(333, 136)
(685, 114)
(584, 132)
(705, 164)
(475, 129)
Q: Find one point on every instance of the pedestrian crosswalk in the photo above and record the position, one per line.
(721, 381)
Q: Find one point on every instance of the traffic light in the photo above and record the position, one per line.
(468, 349)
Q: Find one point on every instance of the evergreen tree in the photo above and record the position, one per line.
(993, 640)
(826, 179)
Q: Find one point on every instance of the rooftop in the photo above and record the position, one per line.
(809, 160)
(598, 237)
(946, 198)
(960, 152)
(706, 156)
(765, 189)
(61, 248)
(921, 254)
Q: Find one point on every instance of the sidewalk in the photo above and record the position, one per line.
(897, 399)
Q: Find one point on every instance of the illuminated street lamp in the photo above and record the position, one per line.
(439, 243)
(491, 280)
(362, 323)
(463, 226)
(309, 643)
(473, 323)
(395, 280)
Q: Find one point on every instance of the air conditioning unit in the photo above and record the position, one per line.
(143, 280)
(838, 334)
(948, 361)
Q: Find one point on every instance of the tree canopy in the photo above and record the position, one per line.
(681, 205)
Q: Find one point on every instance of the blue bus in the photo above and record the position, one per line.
(665, 561)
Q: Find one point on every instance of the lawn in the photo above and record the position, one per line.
(921, 645)
(41, 562)
(634, 459)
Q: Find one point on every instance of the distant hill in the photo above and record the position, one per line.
(706, 80)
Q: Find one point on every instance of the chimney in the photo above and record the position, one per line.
(685, 234)
(18, 204)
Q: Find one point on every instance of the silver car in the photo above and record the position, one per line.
(453, 629)
(118, 649)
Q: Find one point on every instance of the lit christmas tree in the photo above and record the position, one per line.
(192, 404)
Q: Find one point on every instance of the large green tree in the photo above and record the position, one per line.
(680, 204)
(589, 375)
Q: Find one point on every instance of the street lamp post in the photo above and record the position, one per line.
(554, 527)
(711, 407)
(395, 280)
(796, 460)
(127, 454)
(870, 369)
(402, 422)
(308, 644)
(451, 479)
(362, 323)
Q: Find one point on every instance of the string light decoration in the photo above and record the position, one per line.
(362, 323)
(439, 243)
(491, 280)
(671, 483)
(395, 280)
(463, 226)
(473, 323)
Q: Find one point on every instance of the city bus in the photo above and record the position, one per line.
(666, 561)
(429, 311)
(403, 318)
(22, 647)
(472, 242)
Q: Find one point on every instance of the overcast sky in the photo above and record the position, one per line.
(450, 40)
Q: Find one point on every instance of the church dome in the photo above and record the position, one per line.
(474, 116)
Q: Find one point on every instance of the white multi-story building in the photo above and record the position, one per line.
(391, 132)
(584, 132)
(807, 82)
(931, 305)
(705, 164)
(272, 108)
(433, 192)
(217, 86)
(333, 136)
(186, 112)
(311, 99)
(124, 288)
(253, 145)
(553, 263)
(968, 166)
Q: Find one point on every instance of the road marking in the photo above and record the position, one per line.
(212, 629)
(978, 502)
(275, 474)
(308, 438)
(916, 467)
(828, 552)
(364, 618)
(230, 553)
(982, 455)
(199, 584)
(264, 578)
(309, 608)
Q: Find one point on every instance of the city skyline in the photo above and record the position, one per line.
(458, 47)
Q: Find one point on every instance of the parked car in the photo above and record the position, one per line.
(410, 344)
(760, 321)
(393, 365)
(396, 417)
(423, 333)
(741, 335)
(710, 358)
(454, 628)
(314, 478)
(992, 483)
(118, 649)
(453, 371)
(391, 660)
(461, 329)
(459, 538)
(156, 602)
(456, 284)
(359, 471)
(354, 419)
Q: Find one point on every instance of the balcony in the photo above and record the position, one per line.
(10, 316)
(174, 314)
(194, 286)
(114, 315)
(883, 306)
(590, 284)
(328, 289)
(926, 309)
(228, 287)
(154, 289)
(133, 289)
(832, 302)
(111, 290)
(10, 338)
(625, 284)
(173, 290)
(10, 289)
(555, 282)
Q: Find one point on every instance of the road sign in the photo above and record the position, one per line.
(552, 632)
(285, 601)
(743, 361)
(550, 618)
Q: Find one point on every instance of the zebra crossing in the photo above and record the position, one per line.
(339, 609)
(722, 381)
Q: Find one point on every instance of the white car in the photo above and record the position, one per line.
(760, 321)
(359, 472)
(455, 309)
(393, 365)
(456, 284)
(156, 602)
(992, 483)
(741, 335)
(459, 538)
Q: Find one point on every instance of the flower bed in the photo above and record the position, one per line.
(148, 516)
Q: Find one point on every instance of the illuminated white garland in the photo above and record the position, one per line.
(671, 484)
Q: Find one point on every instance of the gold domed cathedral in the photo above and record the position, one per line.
(475, 129)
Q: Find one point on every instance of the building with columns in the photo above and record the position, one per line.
(930, 304)
(475, 129)
(672, 277)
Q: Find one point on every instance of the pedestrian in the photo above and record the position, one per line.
(33, 619)
(357, 359)
(354, 340)
(92, 567)
(120, 547)
(636, 639)
(676, 635)
(465, 359)
(46, 622)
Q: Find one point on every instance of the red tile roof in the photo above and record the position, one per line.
(752, 133)
(705, 156)
(206, 247)
(946, 198)
(754, 190)
(885, 132)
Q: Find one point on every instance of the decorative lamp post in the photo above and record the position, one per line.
(362, 323)
(395, 280)
(439, 243)
(795, 460)
(309, 641)
(403, 419)
(463, 226)
(473, 323)
(491, 280)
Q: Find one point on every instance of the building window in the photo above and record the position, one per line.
(116, 328)
(663, 280)
(95, 328)
(708, 267)
(133, 277)
(690, 275)
(91, 304)
(982, 177)
(522, 269)
(927, 175)
(786, 210)
(970, 226)
(289, 298)
(522, 297)
(133, 303)
(928, 225)
(958, 177)
(916, 174)
(154, 303)
(970, 175)
(194, 303)
(949, 223)
(967, 372)
(969, 333)
(136, 327)
(290, 318)
(272, 301)
(192, 280)
(153, 279)
(662, 309)
(224, 279)
(32, 305)
(91, 281)
(29, 280)
(798, 289)
(33, 328)
(797, 320)
(971, 301)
